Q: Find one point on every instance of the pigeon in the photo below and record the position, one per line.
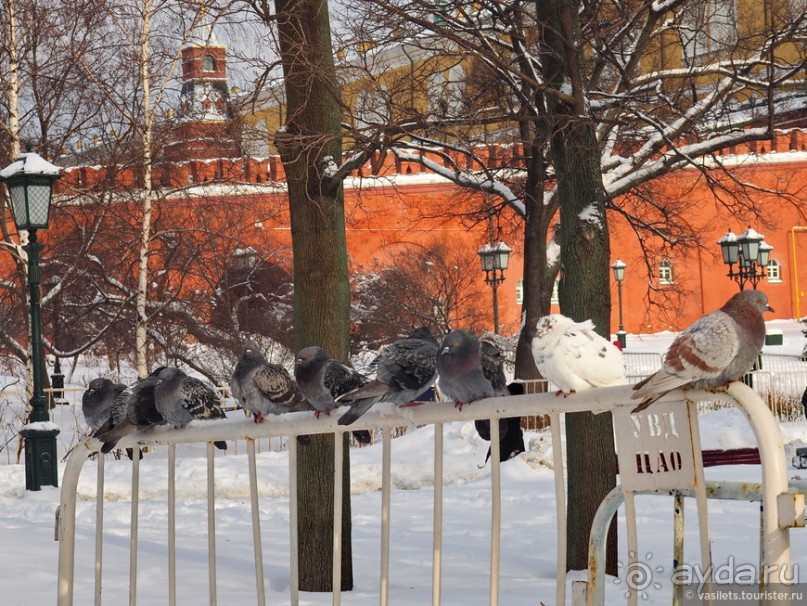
(405, 369)
(460, 370)
(98, 400)
(574, 357)
(180, 399)
(717, 349)
(262, 388)
(134, 409)
(493, 366)
(511, 436)
(322, 379)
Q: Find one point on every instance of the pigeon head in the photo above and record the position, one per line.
(459, 340)
(458, 351)
(549, 324)
(167, 374)
(250, 347)
(309, 361)
(423, 333)
(97, 384)
(251, 356)
(747, 299)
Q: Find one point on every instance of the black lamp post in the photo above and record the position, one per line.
(30, 182)
(619, 275)
(494, 262)
(749, 252)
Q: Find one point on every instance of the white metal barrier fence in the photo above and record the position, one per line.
(774, 544)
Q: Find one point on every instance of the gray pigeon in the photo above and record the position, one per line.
(717, 349)
(180, 399)
(134, 410)
(460, 370)
(493, 366)
(405, 369)
(98, 400)
(322, 379)
(262, 388)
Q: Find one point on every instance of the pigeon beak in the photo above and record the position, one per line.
(769, 308)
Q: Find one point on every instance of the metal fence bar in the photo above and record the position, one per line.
(633, 544)
(338, 462)
(256, 522)
(172, 524)
(437, 523)
(211, 525)
(560, 508)
(99, 528)
(134, 526)
(678, 545)
(495, 511)
(775, 540)
(386, 486)
(294, 559)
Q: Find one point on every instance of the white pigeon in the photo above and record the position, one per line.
(574, 357)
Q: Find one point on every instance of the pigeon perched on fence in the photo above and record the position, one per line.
(322, 379)
(98, 400)
(460, 370)
(134, 409)
(180, 399)
(405, 369)
(717, 349)
(574, 357)
(262, 388)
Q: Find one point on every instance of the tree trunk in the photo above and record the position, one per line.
(141, 325)
(584, 288)
(309, 144)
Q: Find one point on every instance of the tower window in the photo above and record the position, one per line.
(209, 63)
(774, 272)
(665, 272)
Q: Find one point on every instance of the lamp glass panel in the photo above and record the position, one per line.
(19, 206)
(731, 251)
(502, 257)
(764, 254)
(750, 248)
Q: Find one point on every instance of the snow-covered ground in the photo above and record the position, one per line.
(28, 553)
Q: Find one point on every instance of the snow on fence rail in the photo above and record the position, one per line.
(662, 427)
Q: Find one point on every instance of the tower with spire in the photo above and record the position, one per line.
(204, 128)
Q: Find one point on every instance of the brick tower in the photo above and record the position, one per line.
(204, 127)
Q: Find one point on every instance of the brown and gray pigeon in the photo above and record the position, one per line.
(460, 370)
(321, 379)
(717, 349)
(180, 399)
(405, 369)
(98, 401)
(262, 388)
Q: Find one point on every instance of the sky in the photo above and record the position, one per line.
(28, 553)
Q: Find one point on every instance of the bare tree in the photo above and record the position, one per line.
(310, 147)
(435, 285)
(594, 100)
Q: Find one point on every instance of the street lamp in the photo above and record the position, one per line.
(619, 275)
(749, 252)
(29, 181)
(494, 262)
